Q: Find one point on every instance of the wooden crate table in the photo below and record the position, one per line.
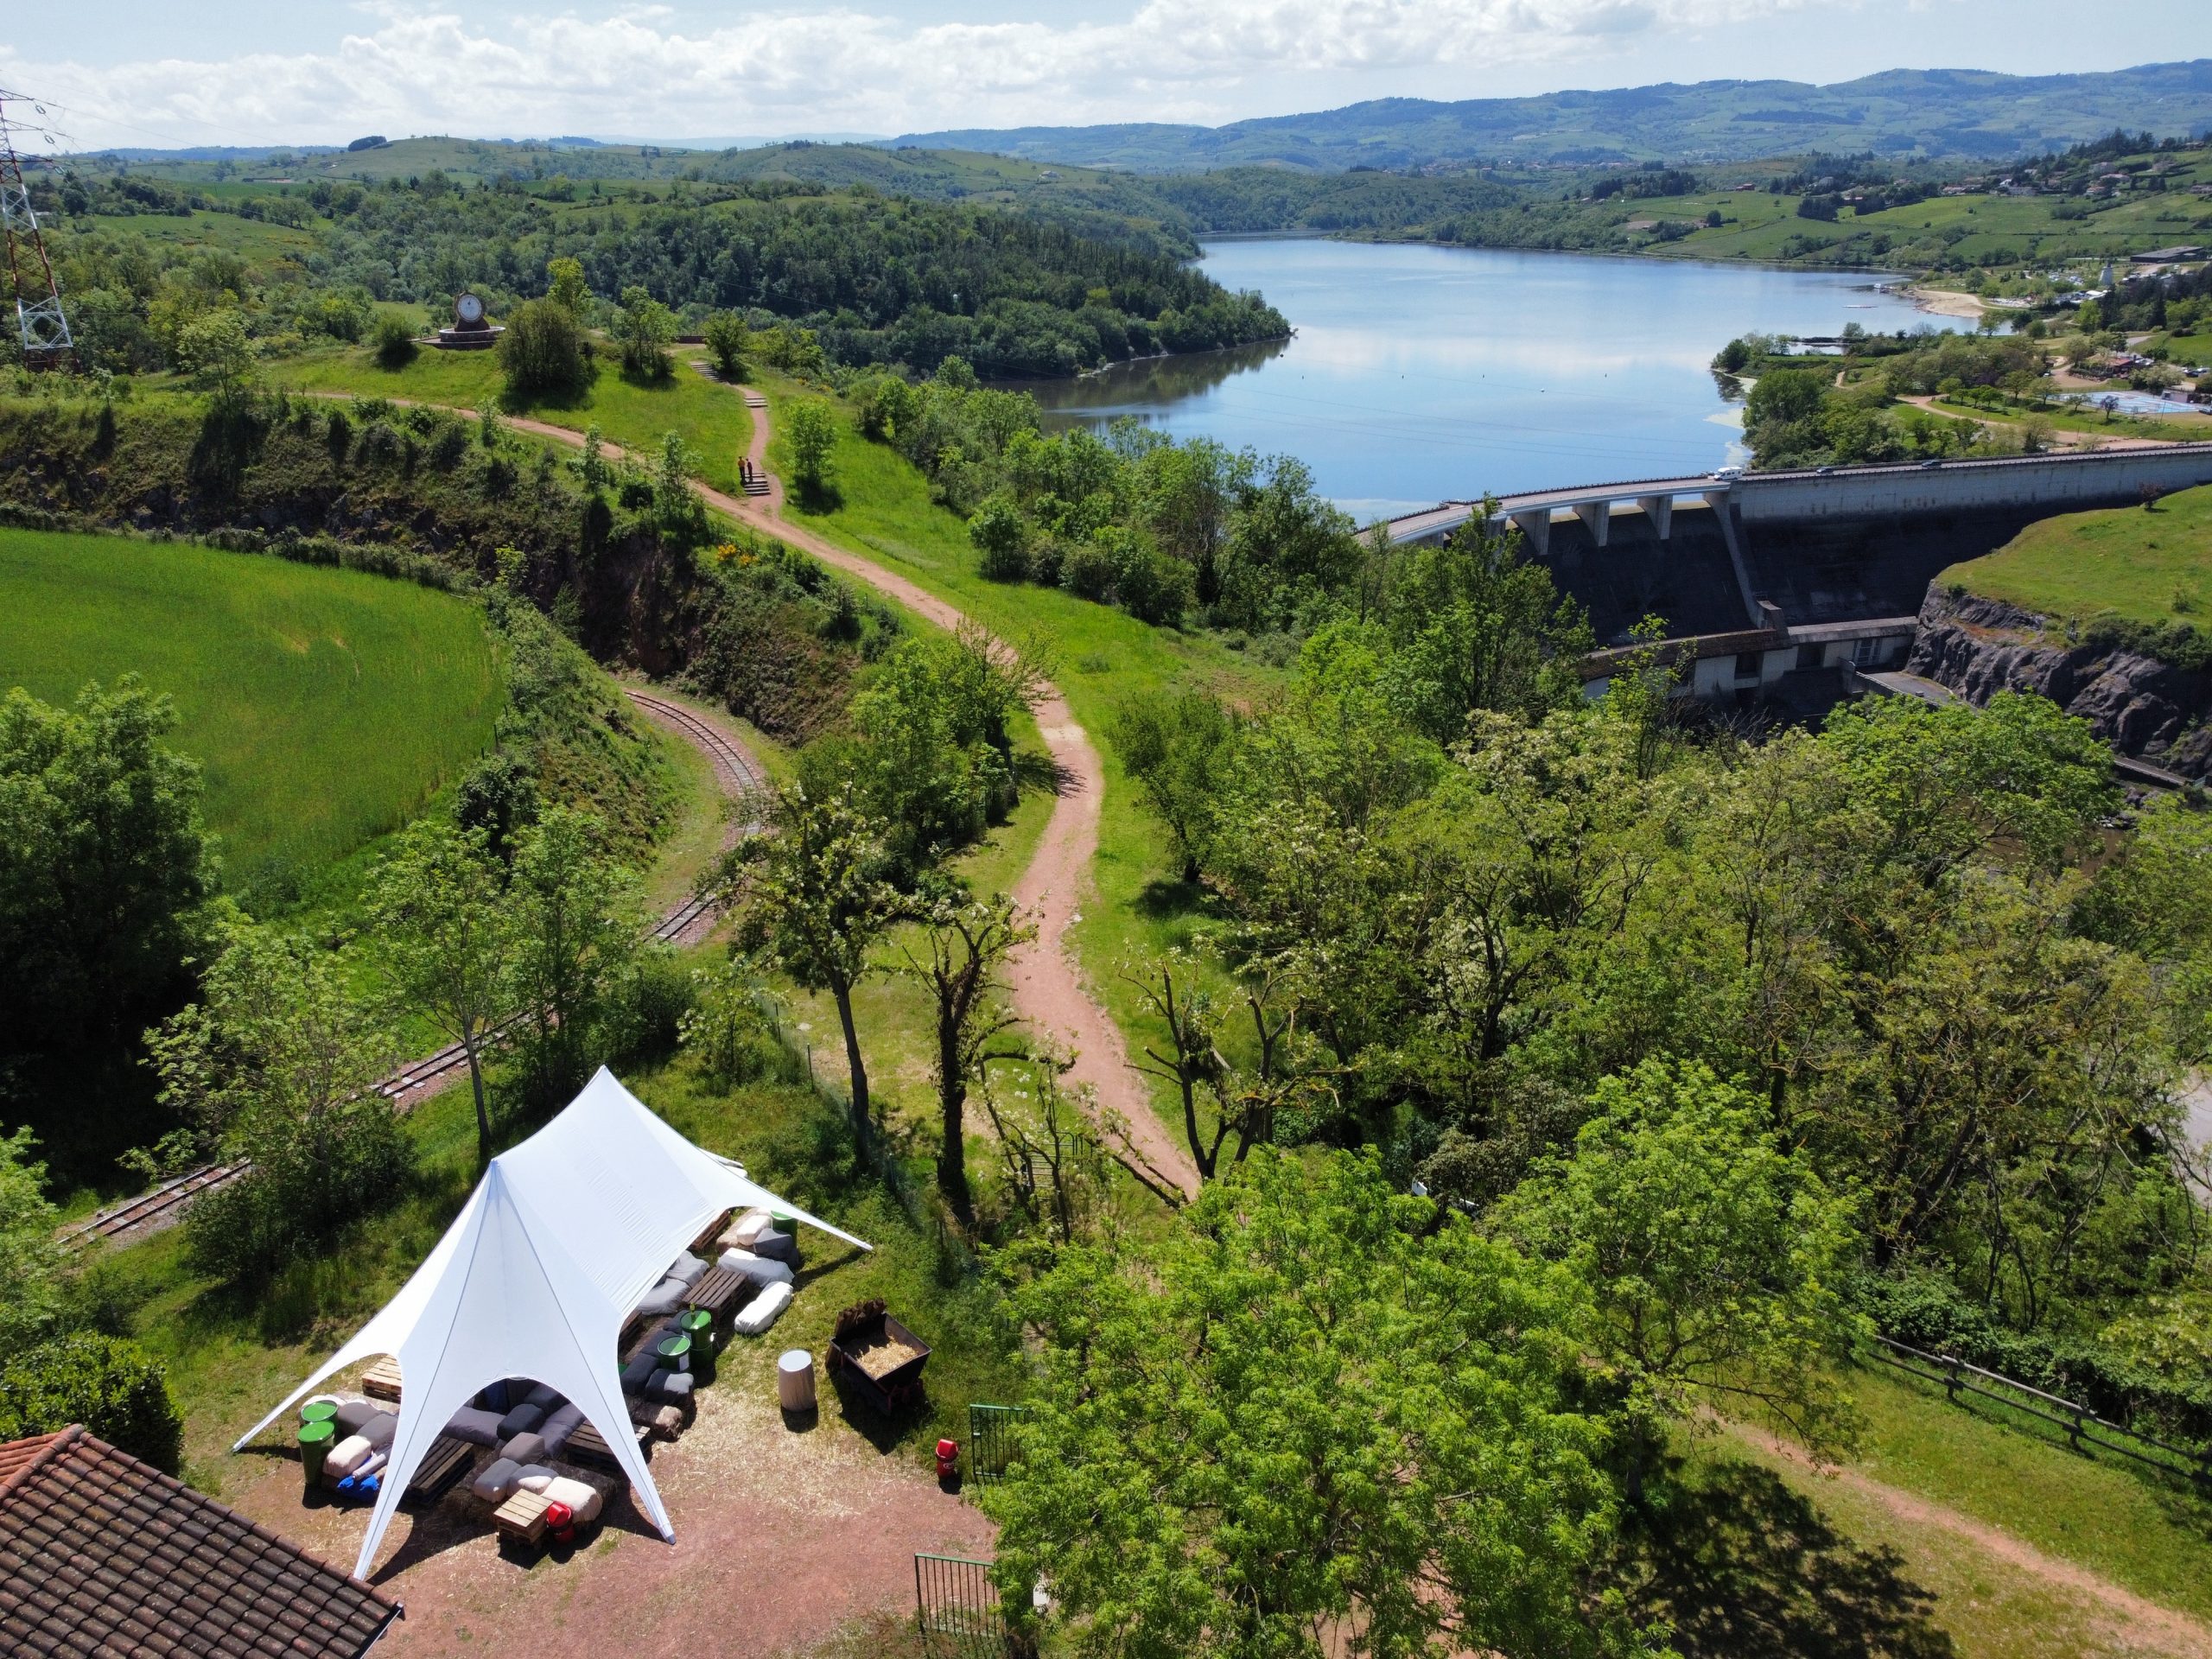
(381, 1380)
(522, 1518)
(587, 1444)
(718, 1294)
(448, 1459)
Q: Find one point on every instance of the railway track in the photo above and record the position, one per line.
(684, 923)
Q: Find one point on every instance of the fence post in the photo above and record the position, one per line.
(1951, 1378)
(2073, 1430)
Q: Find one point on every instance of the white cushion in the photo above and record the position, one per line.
(764, 1310)
(345, 1457)
(581, 1498)
(747, 1228)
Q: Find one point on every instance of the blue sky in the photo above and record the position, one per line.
(159, 72)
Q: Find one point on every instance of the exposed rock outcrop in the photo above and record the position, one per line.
(2145, 708)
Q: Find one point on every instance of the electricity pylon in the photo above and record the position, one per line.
(41, 326)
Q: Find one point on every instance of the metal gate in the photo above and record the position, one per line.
(991, 1440)
(958, 1608)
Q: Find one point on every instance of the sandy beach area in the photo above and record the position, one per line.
(1944, 301)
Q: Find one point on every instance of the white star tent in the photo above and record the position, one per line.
(538, 1273)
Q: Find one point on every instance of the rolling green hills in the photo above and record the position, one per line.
(325, 706)
(1902, 112)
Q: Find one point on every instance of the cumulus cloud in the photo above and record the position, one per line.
(833, 69)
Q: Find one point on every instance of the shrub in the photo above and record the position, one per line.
(394, 342)
(544, 353)
(1088, 570)
(727, 341)
(1001, 538)
(109, 1384)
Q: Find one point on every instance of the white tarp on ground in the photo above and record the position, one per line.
(536, 1276)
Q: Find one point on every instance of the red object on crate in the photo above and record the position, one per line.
(561, 1522)
(948, 1459)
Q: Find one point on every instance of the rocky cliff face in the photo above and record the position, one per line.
(2141, 706)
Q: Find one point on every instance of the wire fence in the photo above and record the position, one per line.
(957, 1610)
(2083, 1427)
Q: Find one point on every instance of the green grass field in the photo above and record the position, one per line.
(2150, 569)
(325, 706)
(636, 416)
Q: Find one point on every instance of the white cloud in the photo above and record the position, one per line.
(838, 69)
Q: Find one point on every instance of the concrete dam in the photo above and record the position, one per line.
(1781, 552)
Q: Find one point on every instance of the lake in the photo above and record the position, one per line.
(1424, 374)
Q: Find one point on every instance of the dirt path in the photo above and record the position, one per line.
(1048, 988)
(2134, 1622)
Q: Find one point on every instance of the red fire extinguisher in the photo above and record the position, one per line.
(948, 1459)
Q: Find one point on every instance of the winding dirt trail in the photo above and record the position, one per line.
(2134, 1624)
(1047, 984)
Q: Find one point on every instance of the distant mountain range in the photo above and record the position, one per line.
(1943, 114)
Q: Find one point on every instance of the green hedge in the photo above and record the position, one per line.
(112, 1386)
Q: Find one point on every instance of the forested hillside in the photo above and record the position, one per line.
(882, 280)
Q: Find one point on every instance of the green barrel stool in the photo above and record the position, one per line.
(316, 1441)
(699, 1325)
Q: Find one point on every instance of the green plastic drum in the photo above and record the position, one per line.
(315, 1441)
(318, 1411)
(676, 1352)
(699, 1326)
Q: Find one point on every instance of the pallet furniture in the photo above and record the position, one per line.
(705, 1244)
(720, 1293)
(521, 1519)
(381, 1380)
(449, 1460)
(587, 1444)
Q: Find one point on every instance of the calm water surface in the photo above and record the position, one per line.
(1425, 374)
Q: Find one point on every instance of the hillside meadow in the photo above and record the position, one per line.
(2145, 569)
(324, 707)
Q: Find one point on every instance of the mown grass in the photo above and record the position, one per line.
(635, 415)
(324, 706)
(2150, 569)
(232, 1354)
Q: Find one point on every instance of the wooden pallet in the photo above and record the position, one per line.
(521, 1519)
(704, 1244)
(719, 1293)
(448, 1459)
(381, 1380)
(587, 1444)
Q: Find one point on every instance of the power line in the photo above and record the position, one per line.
(41, 326)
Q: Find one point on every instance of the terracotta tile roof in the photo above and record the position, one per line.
(102, 1555)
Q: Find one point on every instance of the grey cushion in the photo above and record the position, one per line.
(520, 1420)
(352, 1414)
(559, 1427)
(688, 1267)
(777, 1247)
(636, 1374)
(379, 1429)
(675, 1387)
(497, 1481)
(664, 1298)
(477, 1428)
(543, 1396)
(526, 1448)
